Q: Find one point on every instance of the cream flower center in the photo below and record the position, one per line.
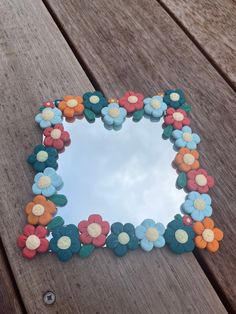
(174, 96)
(199, 204)
(38, 210)
(156, 104)
(201, 180)
(32, 242)
(178, 116)
(48, 115)
(114, 112)
(56, 134)
(189, 159)
(72, 103)
(208, 235)
(123, 238)
(187, 137)
(181, 236)
(94, 99)
(152, 234)
(42, 156)
(44, 182)
(64, 243)
(132, 99)
(94, 230)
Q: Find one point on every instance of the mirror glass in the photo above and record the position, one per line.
(123, 175)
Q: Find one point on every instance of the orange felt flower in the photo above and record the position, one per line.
(187, 159)
(207, 235)
(40, 211)
(71, 106)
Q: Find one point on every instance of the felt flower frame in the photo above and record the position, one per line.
(191, 228)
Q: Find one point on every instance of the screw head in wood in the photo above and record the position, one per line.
(49, 297)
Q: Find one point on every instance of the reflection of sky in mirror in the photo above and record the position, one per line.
(122, 175)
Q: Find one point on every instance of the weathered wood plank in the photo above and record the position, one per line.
(212, 24)
(37, 64)
(136, 45)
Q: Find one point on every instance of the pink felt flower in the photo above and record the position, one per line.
(32, 241)
(187, 220)
(176, 118)
(199, 180)
(94, 230)
(56, 137)
(48, 104)
(131, 101)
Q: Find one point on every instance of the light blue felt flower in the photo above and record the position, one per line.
(185, 138)
(113, 116)
(49, 117)
(150, 234)
(154, 107)
(47, 182)
(197, 205)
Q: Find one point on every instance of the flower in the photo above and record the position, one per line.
(207, 235)
(71, 106)
(197, 205)
(56, 137)
(33, 241)
(151, 234)
(187, 220)
(48, 117)
(47, 182)
(176, 118)
(179, 237)
(43, 157)
(131, 101)
(199, 180)
(65, 242)
(154, 106)
(122, 238)
(113, 116)
(48, 104)
(94, 230)
(187, 159)
(174, 98)
(94, 101)
(40, 211)
(185, 138)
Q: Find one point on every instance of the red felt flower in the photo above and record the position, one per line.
(131, 101)
(176, 118)
(199, 180)
(48, 104)
(56, 137)
(32, 241)
(94, 230)
(187, 220)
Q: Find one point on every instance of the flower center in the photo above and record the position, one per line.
(189, 159)
(174, 96)
(152, 234)
(181, 236)
(72, 103)
(123, 238)
(56, 134)
(38, 210)
(64, 243)
(94, 99)
(94, 230)
(187, 137)
(201, 180)
(114, 112)
(42, 156)
(48, 114)
(156, 104)
(208, 235)
(178, 116)
(44, 182)
(199, 204)
(32, 242)
(132, 99)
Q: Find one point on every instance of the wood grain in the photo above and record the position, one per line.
(136, 45)
(36, 65)
(212, 24)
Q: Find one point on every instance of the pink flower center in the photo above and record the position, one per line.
(32, 242)
(56, 134)
(94, 230)
(178, 116)
(132, 99)
(201, 180)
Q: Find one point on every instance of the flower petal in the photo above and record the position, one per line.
(146, 245)
(140, 232)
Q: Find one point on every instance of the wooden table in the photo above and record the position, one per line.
(53, 47)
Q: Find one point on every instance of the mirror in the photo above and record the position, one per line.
(123, 175)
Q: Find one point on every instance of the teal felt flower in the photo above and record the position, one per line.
(94, 101)
(150, 234)
(43, 157)
(185, 138)
(122, 238)
(197, 205)
(174, 98)
(154, 107)
(47, 182)
(49, 117)
(113, 116)
(65, 242)
(179, 237)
